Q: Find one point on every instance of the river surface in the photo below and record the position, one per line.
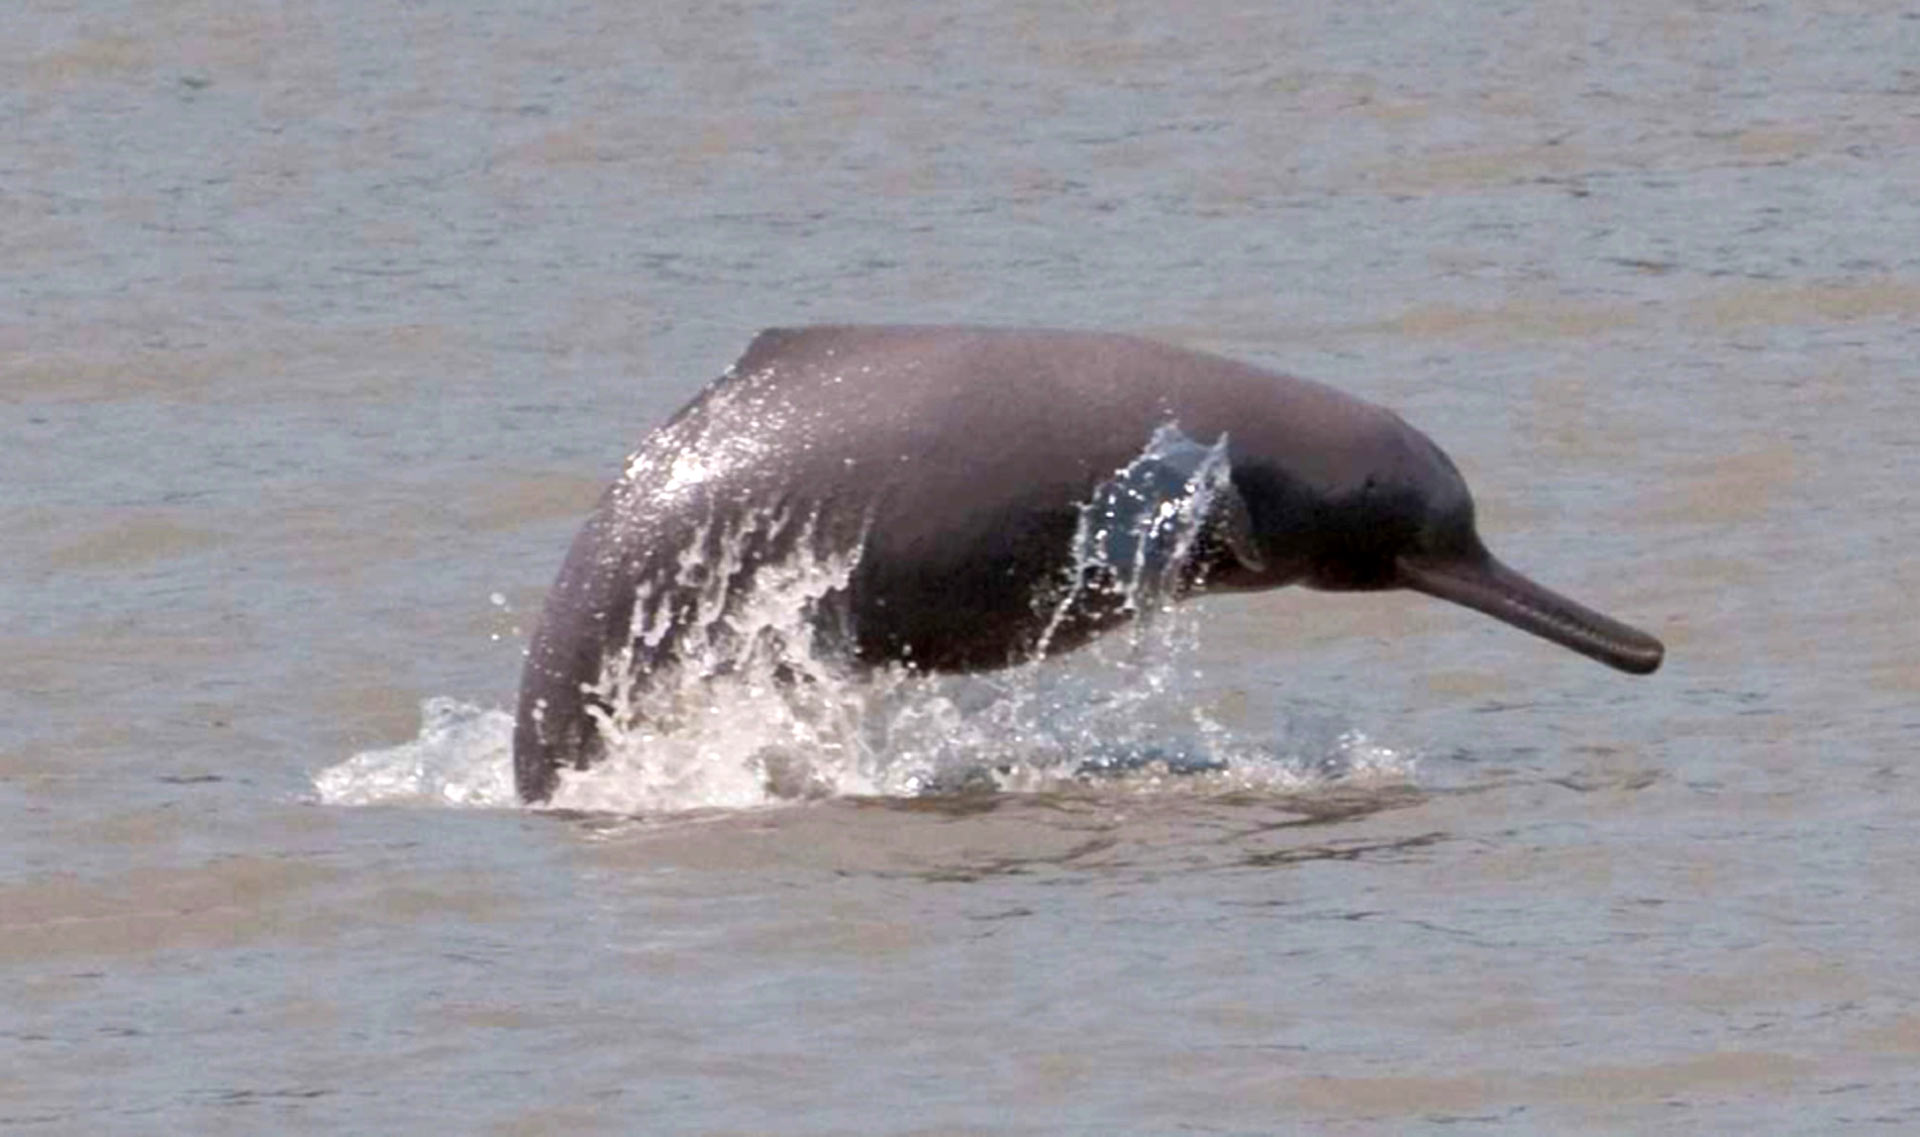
(322, 324)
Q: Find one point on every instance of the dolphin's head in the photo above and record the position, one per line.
(1404, 518)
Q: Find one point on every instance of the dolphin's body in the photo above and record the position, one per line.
(953, 466)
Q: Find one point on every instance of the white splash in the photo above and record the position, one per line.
(1134, 541)
(753, 708)
(463, 755)
(757, 711)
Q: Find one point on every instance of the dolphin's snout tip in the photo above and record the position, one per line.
(1642, 657)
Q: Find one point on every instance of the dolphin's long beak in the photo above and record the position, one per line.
(1486, 585)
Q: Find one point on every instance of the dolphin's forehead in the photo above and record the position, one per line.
(1432, 471)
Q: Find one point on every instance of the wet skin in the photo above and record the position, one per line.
(956, 461)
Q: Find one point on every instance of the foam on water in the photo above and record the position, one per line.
(1013, 735)
(757, 710)
(463, 755)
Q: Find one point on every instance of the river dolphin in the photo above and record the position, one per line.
(949, 469)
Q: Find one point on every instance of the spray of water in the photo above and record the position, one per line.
(752, 706)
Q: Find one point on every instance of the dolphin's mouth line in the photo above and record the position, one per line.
(1486, 585)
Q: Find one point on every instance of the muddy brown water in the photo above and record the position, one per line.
(322, 324)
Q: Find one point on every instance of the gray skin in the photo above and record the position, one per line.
(956, 461)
